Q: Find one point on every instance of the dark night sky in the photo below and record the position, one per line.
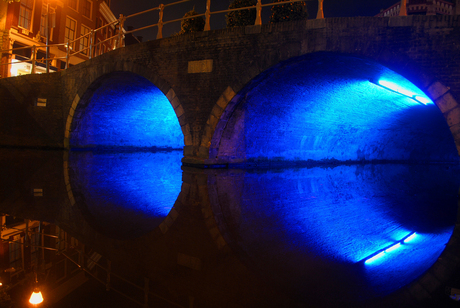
(332, 8)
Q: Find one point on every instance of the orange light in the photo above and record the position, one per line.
(36, 297)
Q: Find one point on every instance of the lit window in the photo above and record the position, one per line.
(25, 14)
(70, 26)
(84, 41)
(86, 8)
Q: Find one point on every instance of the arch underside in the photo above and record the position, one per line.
(330, 108)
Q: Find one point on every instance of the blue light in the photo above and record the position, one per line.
(394, 247)
(126, 194)
(127, 110)
(423, 99)
(326, 109)
(410, 238)
(380, 253)
(395, 87)
(373, 258)
(328, 220)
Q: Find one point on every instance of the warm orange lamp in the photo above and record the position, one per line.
(36, 297)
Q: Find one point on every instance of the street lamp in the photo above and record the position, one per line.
(36, 297)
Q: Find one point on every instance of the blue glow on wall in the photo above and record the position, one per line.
(329, 108)
(126, 194)
(126, 110)
(411, 93)
(318, 225)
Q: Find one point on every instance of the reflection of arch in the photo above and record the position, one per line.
(77, 202)
(90, 85)
(227, 108)
(226, 186)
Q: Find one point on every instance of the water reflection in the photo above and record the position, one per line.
(252, 238)
(126, 194)
(308, 229)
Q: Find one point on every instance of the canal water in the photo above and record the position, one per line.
(257, 237)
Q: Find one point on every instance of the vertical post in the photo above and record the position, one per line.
(67, 57)
(207, 26)
(320, 14)
(32, 71)
(120, 30)
(403, 8)
(91, 42)
(259, 13)
(146, 292)
(47, 30)
(26, 237)
(160, 22)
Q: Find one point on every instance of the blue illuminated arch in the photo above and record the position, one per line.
(325, 108)
(123, 109)
(125, 160)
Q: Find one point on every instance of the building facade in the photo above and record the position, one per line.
(23, 24)
(424, 7)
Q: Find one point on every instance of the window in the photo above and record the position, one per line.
(86, 8)
(84, 41)
(25, 14)
(70, 25)
(15, 252)
(73, 4)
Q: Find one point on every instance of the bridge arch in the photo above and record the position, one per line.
(149, 118)
(130, 80)
(222, 122)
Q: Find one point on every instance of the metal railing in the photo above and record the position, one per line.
(92, 48)
(83, 264)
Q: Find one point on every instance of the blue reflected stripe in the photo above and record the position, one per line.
(392, 247)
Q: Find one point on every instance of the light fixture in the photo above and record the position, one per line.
(36, 297)
(391, 86)
(392, 247)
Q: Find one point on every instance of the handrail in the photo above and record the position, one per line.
(116, 40)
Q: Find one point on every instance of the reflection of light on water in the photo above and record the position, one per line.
(128, 189)
(380, 253)
(326, 220)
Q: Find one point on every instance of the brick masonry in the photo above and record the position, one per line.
(201, 73)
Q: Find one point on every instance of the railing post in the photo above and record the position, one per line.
(403, 8)
(320, 14)
(160, 22)
(67, 57)
(32, 71)
(120, 30)
(259, 13)
(207, 26)
(91, 42)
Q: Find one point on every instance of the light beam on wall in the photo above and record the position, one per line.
(391, 86)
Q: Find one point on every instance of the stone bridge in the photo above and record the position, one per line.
(290, 92)
(215, 81)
